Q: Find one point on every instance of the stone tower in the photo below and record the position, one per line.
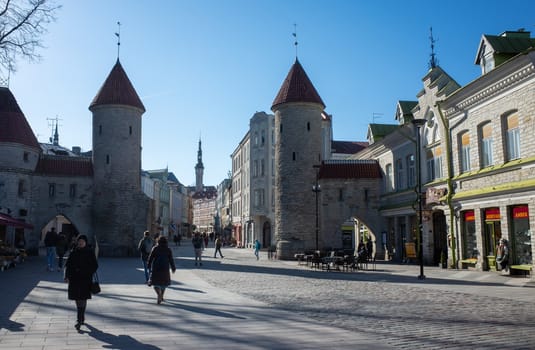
(298, 120)
(120, 208)
(199, 170)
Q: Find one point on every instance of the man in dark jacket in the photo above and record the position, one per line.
(145, 246)
(51, 240)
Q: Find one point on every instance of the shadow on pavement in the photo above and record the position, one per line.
(121, 342)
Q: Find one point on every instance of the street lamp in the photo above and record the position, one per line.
(418, 123)
(316, 188)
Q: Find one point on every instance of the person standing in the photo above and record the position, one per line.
(79, 269)
(145, 246)
(218, 247)
(51, 239)
(61, 249)
(257, 248)
(197, 242)
(502, 255)
(159, 262)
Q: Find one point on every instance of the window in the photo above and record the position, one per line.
(437, 153)
(262, 167)
(22, 188)
(512, 137)
(26, 157)
(255, 168)
(308, 126)
(486, 145)
(255, 139)
(72, 190)
(400, 181)
(293, 156)
(51, 190)
(130, 130)
(388, 178)
(434, 164)
(263, 138)
(100, 129)
(340, 194)
(411, 172)
(465, 152)
(107, 159)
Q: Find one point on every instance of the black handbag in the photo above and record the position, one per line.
(95, 285)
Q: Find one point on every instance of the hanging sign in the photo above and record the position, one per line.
(520, 212)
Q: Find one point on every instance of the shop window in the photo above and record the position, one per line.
(468, 235)
(520, 240)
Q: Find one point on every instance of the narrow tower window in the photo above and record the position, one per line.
(107, 159)
(130, 129)
(308, 126)
(293, 156)
(100, 129)
(280, 128)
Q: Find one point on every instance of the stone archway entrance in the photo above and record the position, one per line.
(62, 224)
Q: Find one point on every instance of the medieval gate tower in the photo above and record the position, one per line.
(120, 208)
(298, 146)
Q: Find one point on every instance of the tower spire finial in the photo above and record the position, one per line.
(118, 34)
(295, 36)
(433, 62)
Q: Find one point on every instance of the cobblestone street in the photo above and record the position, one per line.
(390, 303)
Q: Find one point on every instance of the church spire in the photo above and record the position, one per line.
(199, 170)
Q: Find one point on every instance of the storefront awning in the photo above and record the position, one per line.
(7, 220)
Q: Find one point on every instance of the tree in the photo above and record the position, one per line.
(22, 26)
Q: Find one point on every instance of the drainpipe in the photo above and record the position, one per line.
(449, 195)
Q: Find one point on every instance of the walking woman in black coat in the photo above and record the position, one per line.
(79, 270)
(160, 260)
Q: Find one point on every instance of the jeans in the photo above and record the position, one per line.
(50, 257)
(145, 268)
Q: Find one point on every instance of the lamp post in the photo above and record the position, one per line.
(418, 123)
(316, 188)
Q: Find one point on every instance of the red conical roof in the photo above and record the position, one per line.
(297, 87)
(13, 124)
(117, 90)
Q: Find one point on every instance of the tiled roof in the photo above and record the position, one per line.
(297, 87)
(506, 44)
(64, 166)
(381, 130)
(13, 124)
(348, 147)
(117, 90)
(350, 169)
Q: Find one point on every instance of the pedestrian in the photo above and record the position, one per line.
(51, 239)
(218, 247)
(175, 239)
(61, 249)
(179, 238)
(197, 242)
(502, 255)
(160, 260)
(256, 247)
(79, 269)
(144, 247)
(205, 240)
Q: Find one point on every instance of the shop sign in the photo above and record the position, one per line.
(492, 214)
(520, 212)
(469, 216)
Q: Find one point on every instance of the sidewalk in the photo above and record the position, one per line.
(35, 314)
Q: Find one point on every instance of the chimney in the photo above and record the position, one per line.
(76, 150)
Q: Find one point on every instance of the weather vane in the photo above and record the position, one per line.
(118, 34)
(295, 36)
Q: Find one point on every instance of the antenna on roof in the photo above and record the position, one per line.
(433, 62)
(118, 34)
(53, 123)
(295, 36)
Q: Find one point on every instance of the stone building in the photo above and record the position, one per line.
(98, 194)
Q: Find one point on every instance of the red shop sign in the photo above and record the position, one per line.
(520, 212)
(492, 214)
(469, 216)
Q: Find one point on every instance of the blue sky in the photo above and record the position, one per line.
(203, 67)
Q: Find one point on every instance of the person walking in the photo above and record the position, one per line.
(61, 249)
(79, 269)
(51, 239)
(218, 247)
(256, 247)
(160, 260)
(197, 242)
(502, 255)
(145, 246)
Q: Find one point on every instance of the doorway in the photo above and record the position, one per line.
(491, 236)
